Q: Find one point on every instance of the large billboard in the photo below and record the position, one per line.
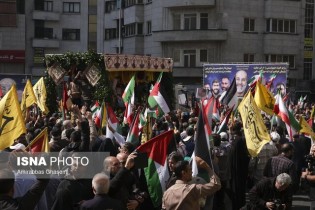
(225, 73)
(6, 81)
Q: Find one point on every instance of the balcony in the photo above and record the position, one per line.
(46, 43)
(44, 15)
(191, 35)
(188, 3)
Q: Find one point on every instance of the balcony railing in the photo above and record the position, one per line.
(190, 35)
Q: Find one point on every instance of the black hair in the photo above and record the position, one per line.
(190, 131)
(75, 136)
(216, 139)
(287, 147)
(129, 147)
(179, 167)
(176, 156)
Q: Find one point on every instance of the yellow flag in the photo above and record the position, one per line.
(264, 99)
(28, 97)
(313, 112)
(256, 133)
(306, 128)
(12, 124)
(104, 116)
(40, 142)
(40, 94)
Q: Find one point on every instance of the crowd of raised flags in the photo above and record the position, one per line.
(215, 116)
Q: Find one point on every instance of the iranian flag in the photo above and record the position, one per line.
(100, 119)
(156, 172)
(129, 100)
(95, 108)
(156, 100)
(271, 79)
(286, 116)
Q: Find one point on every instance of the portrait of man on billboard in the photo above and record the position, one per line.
(225, 83)
(241, 82)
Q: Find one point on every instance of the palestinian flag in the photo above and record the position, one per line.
(230, 98)
(40, 143)
(156, 100)
(156, 172)
(202, 146)
(134, 132)
(129, 100)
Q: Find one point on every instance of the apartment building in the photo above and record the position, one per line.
(192, 32)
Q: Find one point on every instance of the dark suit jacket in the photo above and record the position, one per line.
(101, 202)
(28, 201)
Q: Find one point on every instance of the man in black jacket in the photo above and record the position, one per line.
(272, 193)
(27, 202)
(101, 200)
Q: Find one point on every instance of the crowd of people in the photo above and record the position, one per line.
(270, 179)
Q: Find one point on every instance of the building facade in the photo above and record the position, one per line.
(192, 32)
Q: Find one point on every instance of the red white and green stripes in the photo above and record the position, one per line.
(157, 173)
(129, 100)
(156, 100)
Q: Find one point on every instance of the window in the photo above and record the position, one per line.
(110, 6)
(203, 55)
(176, 21)
(130, 30)
(129, 3)
(71, 34)
(282, 58)
(139, 28)
(249, 25)
(176, 56)
(71, 7)
(307, 75)
(281, 26)
(149, 27)
(190, 21)
(133, 29)
(189, 58)
(48, 6)
(43, 33)
(111, 33)
(248, 58)
(203, 20)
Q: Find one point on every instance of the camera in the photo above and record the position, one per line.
(278, 204)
